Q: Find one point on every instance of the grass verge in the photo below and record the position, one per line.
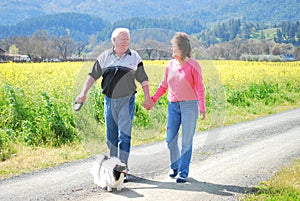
(29, 159)
(284, 185)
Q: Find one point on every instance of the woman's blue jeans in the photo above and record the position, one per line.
(184, 113)
(119, 113)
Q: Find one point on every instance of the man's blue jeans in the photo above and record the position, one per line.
(119, 113)
(184, 113)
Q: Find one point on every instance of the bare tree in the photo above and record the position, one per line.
(64, 45)
(80, 46)
(41, 44)
(26, 46)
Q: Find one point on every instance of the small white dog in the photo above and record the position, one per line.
(109, 172)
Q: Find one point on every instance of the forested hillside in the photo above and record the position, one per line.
(68, 28)
(80, 26)
(83, 18)
(14, 11)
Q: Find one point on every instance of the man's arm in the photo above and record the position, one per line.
(148, 103)
(86, 87)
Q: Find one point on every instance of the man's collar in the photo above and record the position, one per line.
(112, 51)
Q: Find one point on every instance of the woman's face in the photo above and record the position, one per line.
(175, 50)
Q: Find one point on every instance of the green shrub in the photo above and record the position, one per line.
(98, 104)
(267, 93)
(7, 149)
(62, 131)
(36, 120)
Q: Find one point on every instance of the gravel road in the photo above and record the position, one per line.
(226, 163)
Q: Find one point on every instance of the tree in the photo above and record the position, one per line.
(262, 35)
(41, 44)
(246, 31)
(276, 50)
(26, 46)
(5, 44)
(64, 45)
(80, 46)
(297, 53)
(13, 50)
(278, 37)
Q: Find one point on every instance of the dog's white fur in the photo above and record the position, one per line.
(103, 172)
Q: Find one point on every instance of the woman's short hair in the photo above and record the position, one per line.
(182, 41)
(116, 32)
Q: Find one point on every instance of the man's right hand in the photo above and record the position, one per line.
(80, 98)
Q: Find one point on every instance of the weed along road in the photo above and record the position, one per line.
(226, 163)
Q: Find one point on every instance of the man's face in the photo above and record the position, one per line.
(122, 42)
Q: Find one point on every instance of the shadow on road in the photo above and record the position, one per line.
(191, 185)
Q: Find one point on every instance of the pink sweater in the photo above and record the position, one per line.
(183, 83)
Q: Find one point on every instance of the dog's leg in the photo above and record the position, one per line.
(119, 187)
(109, 189)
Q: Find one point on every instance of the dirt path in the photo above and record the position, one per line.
(226, 163)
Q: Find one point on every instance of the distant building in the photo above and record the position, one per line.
(5, 57)
(21, 58)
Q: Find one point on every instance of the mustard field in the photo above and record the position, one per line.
(36, 100)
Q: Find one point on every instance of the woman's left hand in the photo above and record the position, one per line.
(203, 114)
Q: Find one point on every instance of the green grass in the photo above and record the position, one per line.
(284, 185)
(268, 33)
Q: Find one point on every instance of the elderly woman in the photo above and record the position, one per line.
(186, 98)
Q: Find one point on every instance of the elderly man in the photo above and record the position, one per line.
(119, 68)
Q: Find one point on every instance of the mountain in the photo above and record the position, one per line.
(14, 11)
(87, 21)
(79, 25)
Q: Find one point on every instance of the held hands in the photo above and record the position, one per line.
(148, 103)
(203, 114)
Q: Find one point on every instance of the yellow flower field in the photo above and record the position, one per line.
(59, 78)
(238, 73)
(36, 104)
(55, 78)
(36, 98)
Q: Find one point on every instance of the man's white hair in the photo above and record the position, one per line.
(116, 32)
